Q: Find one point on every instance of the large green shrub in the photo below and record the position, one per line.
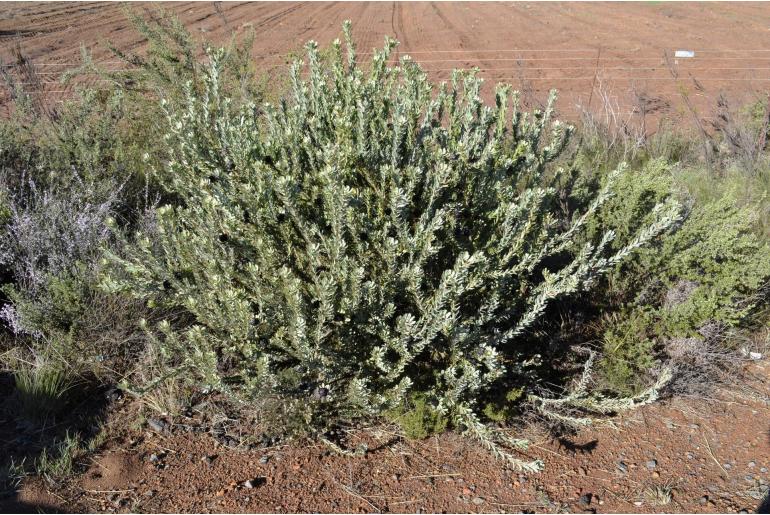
(710, 273)
(369, 238)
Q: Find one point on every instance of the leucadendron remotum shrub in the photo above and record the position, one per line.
(370, 238)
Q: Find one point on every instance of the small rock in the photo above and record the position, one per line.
(727, 466)
(113, 394)
(478, 501)
(154, 458)
(208, 460)
(582, 471)
(264, 459)
(752, 464)
(585, 499)
(637, 503)
(467, 491)
(651, 464)
(703, 500)
(253, 483)
(690, 456)
(749, 478)
(156, 425)
(655, 474)
(622, 467)
(763, 470)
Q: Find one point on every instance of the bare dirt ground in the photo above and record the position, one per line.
(706, 455)
(625, 50)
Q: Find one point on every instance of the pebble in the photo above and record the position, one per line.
(749, 477)
(637, 503)
(156, 424)
(253, 483)
(622, 467)
(651, 464)
(752, 464)
(208, 460)
(703, 500)
(690, 456)
(655, 474)
(763, 469)
(154, 458)
(264, 459)
(585, 499)
(478, 501)
(727, 466)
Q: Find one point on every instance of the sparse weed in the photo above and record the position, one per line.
(659, 495)
(58, 461)
(14, 474)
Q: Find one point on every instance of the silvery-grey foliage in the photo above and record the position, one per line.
(58, 231)
(370, 236)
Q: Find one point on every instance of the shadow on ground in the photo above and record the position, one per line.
(16, 506)
(24, 441)
(764, 507)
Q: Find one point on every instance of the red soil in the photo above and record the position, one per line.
(688, 455)
(577, 48)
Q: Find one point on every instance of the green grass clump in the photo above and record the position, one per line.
(628, 354)
(41, 387)
(418, 419)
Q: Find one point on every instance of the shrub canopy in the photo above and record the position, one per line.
(370, 237)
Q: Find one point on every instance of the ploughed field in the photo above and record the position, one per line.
(597, 55)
